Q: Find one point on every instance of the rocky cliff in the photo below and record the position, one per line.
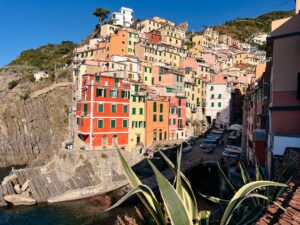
(31, 128)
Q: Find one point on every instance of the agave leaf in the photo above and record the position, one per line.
(175, 208)
(139, 189)
(242, 193)
(283, 188)
(187, 186)
(146, 199)
(258, 171)
(227, 180)
(179, 187)
(252, 195)
(215, 199)
(245, 174)
(252, 216)
(204, 217)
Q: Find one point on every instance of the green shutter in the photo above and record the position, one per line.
(100, 123)
(212, 104)
(136, 88)
(125, 108)
(100, 107)
(174, 121)
(141, 111)
(97, 78)
(154, 106)
(85, 108)
(123, 94)
(124, 123)
(133, 111)
(105, 93)
(134, 99)
(219, 104)
(161, 118)
(154, 118)
(113, 123)
(145, 69)
(113, 108)
(161, 108)
(150, 70)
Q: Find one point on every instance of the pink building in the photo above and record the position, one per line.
(177, 117)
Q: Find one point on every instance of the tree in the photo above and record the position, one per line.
(101, 14)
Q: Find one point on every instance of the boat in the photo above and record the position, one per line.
(231, 154)
(232, 148)
(217, 132)
(208, 145)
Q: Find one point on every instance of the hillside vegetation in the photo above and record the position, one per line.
(242, 28)
(47, 56)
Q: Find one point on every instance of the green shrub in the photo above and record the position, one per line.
(12, 84)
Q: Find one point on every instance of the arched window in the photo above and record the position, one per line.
(160, 134)
(154, 135)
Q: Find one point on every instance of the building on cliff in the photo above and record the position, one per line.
(103, 111)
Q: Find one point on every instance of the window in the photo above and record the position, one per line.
(112, 65)
(134, 98)
(219, 96)
(100, 107)
(130, 43)
(100, 123)
(124, 123)
(219, 104)
(100, 93)
(133, 111)
(154, 106)
(125, 108)
(212, 96)
(146, 78)
(172, 110)
(154, 118)
(141, 111)
(113, 124)
(161, 118)
(150, 70)
(97, 78)
(161, 108)
(159, 78)
(85, 109)
(125, 94)
(113, 93)
(113, 108)
(211, 88)
(174, 121)
(165, 135)
(212, 104)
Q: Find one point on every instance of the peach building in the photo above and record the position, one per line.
(157, 119)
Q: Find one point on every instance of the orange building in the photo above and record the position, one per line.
(121, 43)
(103, 111)
(157, 119)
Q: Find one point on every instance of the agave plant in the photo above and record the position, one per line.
(250, 200)
(179, 201)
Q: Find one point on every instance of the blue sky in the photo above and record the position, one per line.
(29, 24)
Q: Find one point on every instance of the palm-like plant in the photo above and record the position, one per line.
(179, 200)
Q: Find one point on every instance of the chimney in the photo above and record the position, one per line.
(297, 6)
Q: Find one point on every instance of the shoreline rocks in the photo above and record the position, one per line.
(19, 200)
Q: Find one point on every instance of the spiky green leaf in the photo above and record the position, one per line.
(177, 212)
(242, 193)
(215, 199)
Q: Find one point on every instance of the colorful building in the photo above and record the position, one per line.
(103, 111)
(157, 119)
(137, 119)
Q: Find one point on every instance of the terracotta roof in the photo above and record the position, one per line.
(290, 200)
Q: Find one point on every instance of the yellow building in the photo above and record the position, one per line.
(137, 117)
(146, 71)
(209, 39)
(108, 29)
(170, 36)
(148, 25)
(158, 53)
(245, 58)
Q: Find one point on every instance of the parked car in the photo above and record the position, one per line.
(186, 147)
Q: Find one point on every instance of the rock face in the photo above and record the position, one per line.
(32, 129)
(19, 200)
